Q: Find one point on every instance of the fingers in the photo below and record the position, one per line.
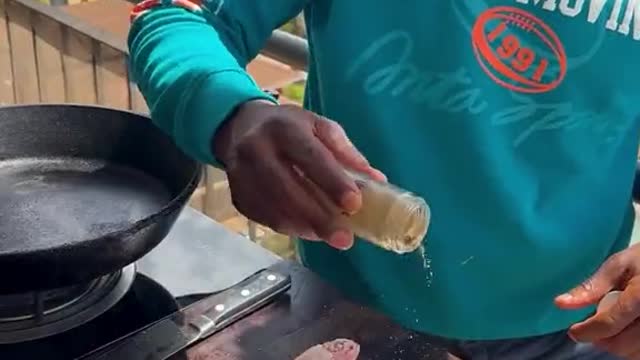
(286, 169)
(268, 191)
(302, 211)
(625, 344)
(332, 135)
(339, 238)
(318, 164)
(608, 277)
(612, 320)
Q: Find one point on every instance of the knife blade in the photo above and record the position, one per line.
(162, 339)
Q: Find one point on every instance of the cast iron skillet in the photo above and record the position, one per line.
(84, 191)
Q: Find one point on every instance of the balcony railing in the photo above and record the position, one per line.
(289, 49)
(48, 55)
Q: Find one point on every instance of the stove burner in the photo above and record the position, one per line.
(37, 315)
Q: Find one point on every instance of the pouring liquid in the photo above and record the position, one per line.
(391, 218)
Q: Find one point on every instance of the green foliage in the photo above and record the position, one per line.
(294, 91)
(295, 26)
(289, 27)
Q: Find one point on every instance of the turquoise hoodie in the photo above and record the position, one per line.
(515, 119)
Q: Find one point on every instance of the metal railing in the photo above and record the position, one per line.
(282, 46)
(289, 49)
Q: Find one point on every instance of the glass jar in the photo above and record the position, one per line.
(390, 217)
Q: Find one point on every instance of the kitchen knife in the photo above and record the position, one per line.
(162, 339)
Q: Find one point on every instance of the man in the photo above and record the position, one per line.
(514, 119)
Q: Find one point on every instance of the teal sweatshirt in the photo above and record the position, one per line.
(515, 119)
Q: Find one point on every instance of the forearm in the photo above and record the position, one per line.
(190, 68)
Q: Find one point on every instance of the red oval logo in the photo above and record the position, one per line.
(505, 40)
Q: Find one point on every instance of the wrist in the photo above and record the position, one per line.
(223, 138)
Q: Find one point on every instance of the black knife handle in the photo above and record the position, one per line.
(236, 302)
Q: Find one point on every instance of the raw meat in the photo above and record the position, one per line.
(339, 349)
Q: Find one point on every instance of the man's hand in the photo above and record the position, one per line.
(286, 170)
(614, 327)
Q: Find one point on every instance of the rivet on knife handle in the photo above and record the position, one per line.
(240, 300)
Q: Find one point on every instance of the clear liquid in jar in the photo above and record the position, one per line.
(391, 218)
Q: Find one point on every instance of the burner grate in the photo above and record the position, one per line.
(36, 305)
(36, 315)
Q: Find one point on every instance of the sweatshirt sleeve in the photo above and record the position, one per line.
(188, 58)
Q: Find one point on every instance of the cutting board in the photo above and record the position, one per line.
(313, 312)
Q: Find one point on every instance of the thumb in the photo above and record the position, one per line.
(594, 288)
(332, 135)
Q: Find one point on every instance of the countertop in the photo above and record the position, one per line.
(312, 312)
(200, 256)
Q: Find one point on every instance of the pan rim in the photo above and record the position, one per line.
(178, 200)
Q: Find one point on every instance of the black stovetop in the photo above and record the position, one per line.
(146, 302)
(198, 258)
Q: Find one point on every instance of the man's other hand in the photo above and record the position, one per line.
(615, 327)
